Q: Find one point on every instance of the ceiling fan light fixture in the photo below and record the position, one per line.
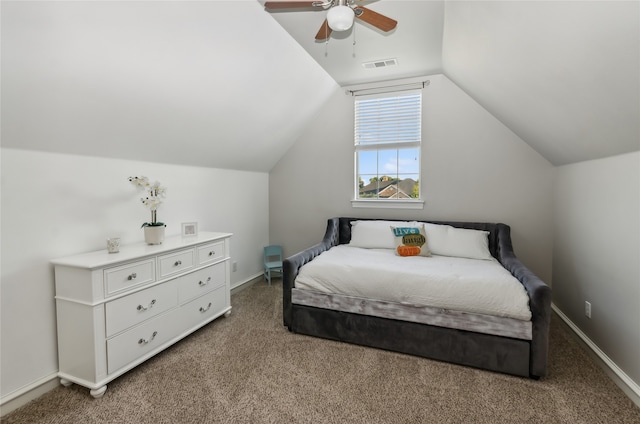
(340, 18)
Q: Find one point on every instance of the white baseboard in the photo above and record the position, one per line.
(26, 394)
(622, 380)
(246, 283)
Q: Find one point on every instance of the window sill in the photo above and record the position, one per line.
(388, 204)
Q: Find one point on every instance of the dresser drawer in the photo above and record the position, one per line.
(201, 281)
(135, 308)
(210, 253)
(131, 345)
(129, 275)
(204, 307)
(175, 263)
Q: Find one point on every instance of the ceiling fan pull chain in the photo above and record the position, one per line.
(354, 41)
(326, 47)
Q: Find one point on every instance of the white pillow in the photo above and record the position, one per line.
(446, 240)
(375, 234)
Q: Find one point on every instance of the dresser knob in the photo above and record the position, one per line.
(142, 308)
(204, 283)
(213, 252)
(132, 276)
(205, 310)
(144, 341)
(178, 263)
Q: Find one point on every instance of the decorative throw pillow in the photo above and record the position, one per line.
(374, 234)
(410, 241)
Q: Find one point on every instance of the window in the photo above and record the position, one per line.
(388, 134)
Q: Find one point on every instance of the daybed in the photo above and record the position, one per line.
(517, 346)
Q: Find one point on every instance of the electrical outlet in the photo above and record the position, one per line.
(587, 309)
(235, 266)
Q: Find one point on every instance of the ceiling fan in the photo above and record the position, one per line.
(340, 16)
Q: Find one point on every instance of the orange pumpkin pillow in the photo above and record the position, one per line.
(411, 241)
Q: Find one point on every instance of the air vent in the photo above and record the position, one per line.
(380, 63)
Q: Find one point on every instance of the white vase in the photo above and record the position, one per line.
(154, 234)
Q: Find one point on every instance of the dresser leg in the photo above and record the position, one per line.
(99, 392)
(226, 314)
(65, 382)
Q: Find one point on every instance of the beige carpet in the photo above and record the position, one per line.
(249, 369)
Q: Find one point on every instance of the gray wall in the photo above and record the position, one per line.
(473, 168)
(597, 254)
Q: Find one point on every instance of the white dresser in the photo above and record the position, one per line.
(117, 310)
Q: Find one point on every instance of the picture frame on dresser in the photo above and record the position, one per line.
(189, 229)
(116, 311)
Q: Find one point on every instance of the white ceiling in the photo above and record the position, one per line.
(416, 42)
(563, 75)
(227, 84)
(207, 83)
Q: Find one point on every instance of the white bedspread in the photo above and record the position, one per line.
(469, 285)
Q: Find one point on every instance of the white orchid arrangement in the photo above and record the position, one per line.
(154, 198)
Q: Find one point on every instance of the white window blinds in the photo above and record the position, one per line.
(388, 119)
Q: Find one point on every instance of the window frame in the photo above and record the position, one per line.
(393, 203)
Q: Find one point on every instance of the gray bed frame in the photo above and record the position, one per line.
(527, 358)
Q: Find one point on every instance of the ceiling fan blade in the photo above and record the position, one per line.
(324, 32)
(374, 18)
(289, 4)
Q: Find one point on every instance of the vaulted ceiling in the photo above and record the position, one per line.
(228, 84)
(205, 83)
(563, 75)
